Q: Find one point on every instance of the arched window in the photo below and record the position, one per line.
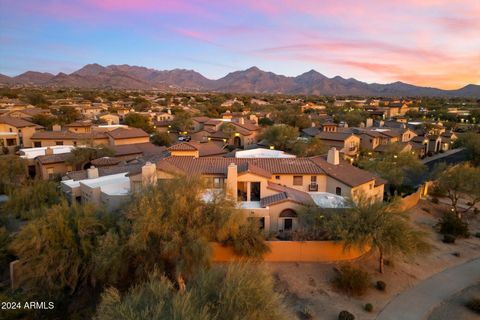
(288, 213)
(338, 191)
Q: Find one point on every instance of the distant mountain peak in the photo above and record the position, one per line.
(251, 80)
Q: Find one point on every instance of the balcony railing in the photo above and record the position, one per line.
(313, 187)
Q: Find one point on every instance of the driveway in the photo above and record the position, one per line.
(418, 302)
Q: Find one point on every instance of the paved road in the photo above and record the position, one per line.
(438, 156)
(418, 302)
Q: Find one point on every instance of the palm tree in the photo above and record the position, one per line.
(378, 225)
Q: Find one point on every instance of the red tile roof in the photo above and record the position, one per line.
(67, 135)
(124, 133)
(345, 172)
(17, 122)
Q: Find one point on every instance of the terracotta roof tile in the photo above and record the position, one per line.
(123, 133)
(345, 172)
(17, 122)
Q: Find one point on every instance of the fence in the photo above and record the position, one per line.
(411, 200)
(295, 251)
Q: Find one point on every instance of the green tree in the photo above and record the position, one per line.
(313, 147)
(382, 227)
(13, 172)
(55, 250)
(393, 165)
(460, 182)
(162, 139)
(66, 114)
(182, 122)
(283, 137)
(83, 155)
(176, 236)
(141, 104)
(36, 99)
(471, 142)
(32, 200)
(221, 293)
(44, 120)
(137, 120)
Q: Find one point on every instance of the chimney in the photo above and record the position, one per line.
(92, 172)
(232, 181)
(48, 151)
(56, 127)
(149, 173)
(241, 121)
(169, 111)
(333, 156)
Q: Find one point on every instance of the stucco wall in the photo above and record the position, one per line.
(294, 251)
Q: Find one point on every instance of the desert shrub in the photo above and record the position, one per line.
(435, 200)
(351, 280)
(474, 304)
(477, 234)
(368, 307)
(307, 313)
(449, 238)
(345, 315)
(451, 224)
(249, 241)
(381, 285)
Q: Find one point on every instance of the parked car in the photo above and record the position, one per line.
(184, 138)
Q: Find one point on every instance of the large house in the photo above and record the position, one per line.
(17, 132)
(348, 143)
(86, 136)
(272, 190)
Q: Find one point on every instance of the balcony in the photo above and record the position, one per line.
(313, 187)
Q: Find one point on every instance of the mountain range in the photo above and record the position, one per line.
(252, 80)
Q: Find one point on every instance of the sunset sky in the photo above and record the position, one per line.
(423, 42)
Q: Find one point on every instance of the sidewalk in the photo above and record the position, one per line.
(418, 302)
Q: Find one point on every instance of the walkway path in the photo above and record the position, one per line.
(418, 302)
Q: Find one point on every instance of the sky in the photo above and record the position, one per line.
(424, 42)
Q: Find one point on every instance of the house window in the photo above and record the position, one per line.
(277, 177)
(297, 180)
(338, 191)
(59, 143)
(254, 191)
(37, 144)
(218, 183)
(313, 179)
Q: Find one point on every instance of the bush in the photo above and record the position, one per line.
(477, 234)
(449, 238)
(345, 315)
(451, 224)
(162, 139)
(435, 200)
(380, 285)
(368, 307)
(352, 281)
(474, 304)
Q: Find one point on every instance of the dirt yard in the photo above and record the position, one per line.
(307, 286)
(454, 308)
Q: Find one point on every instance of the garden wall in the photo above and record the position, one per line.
(295, 251)
(411, 200)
